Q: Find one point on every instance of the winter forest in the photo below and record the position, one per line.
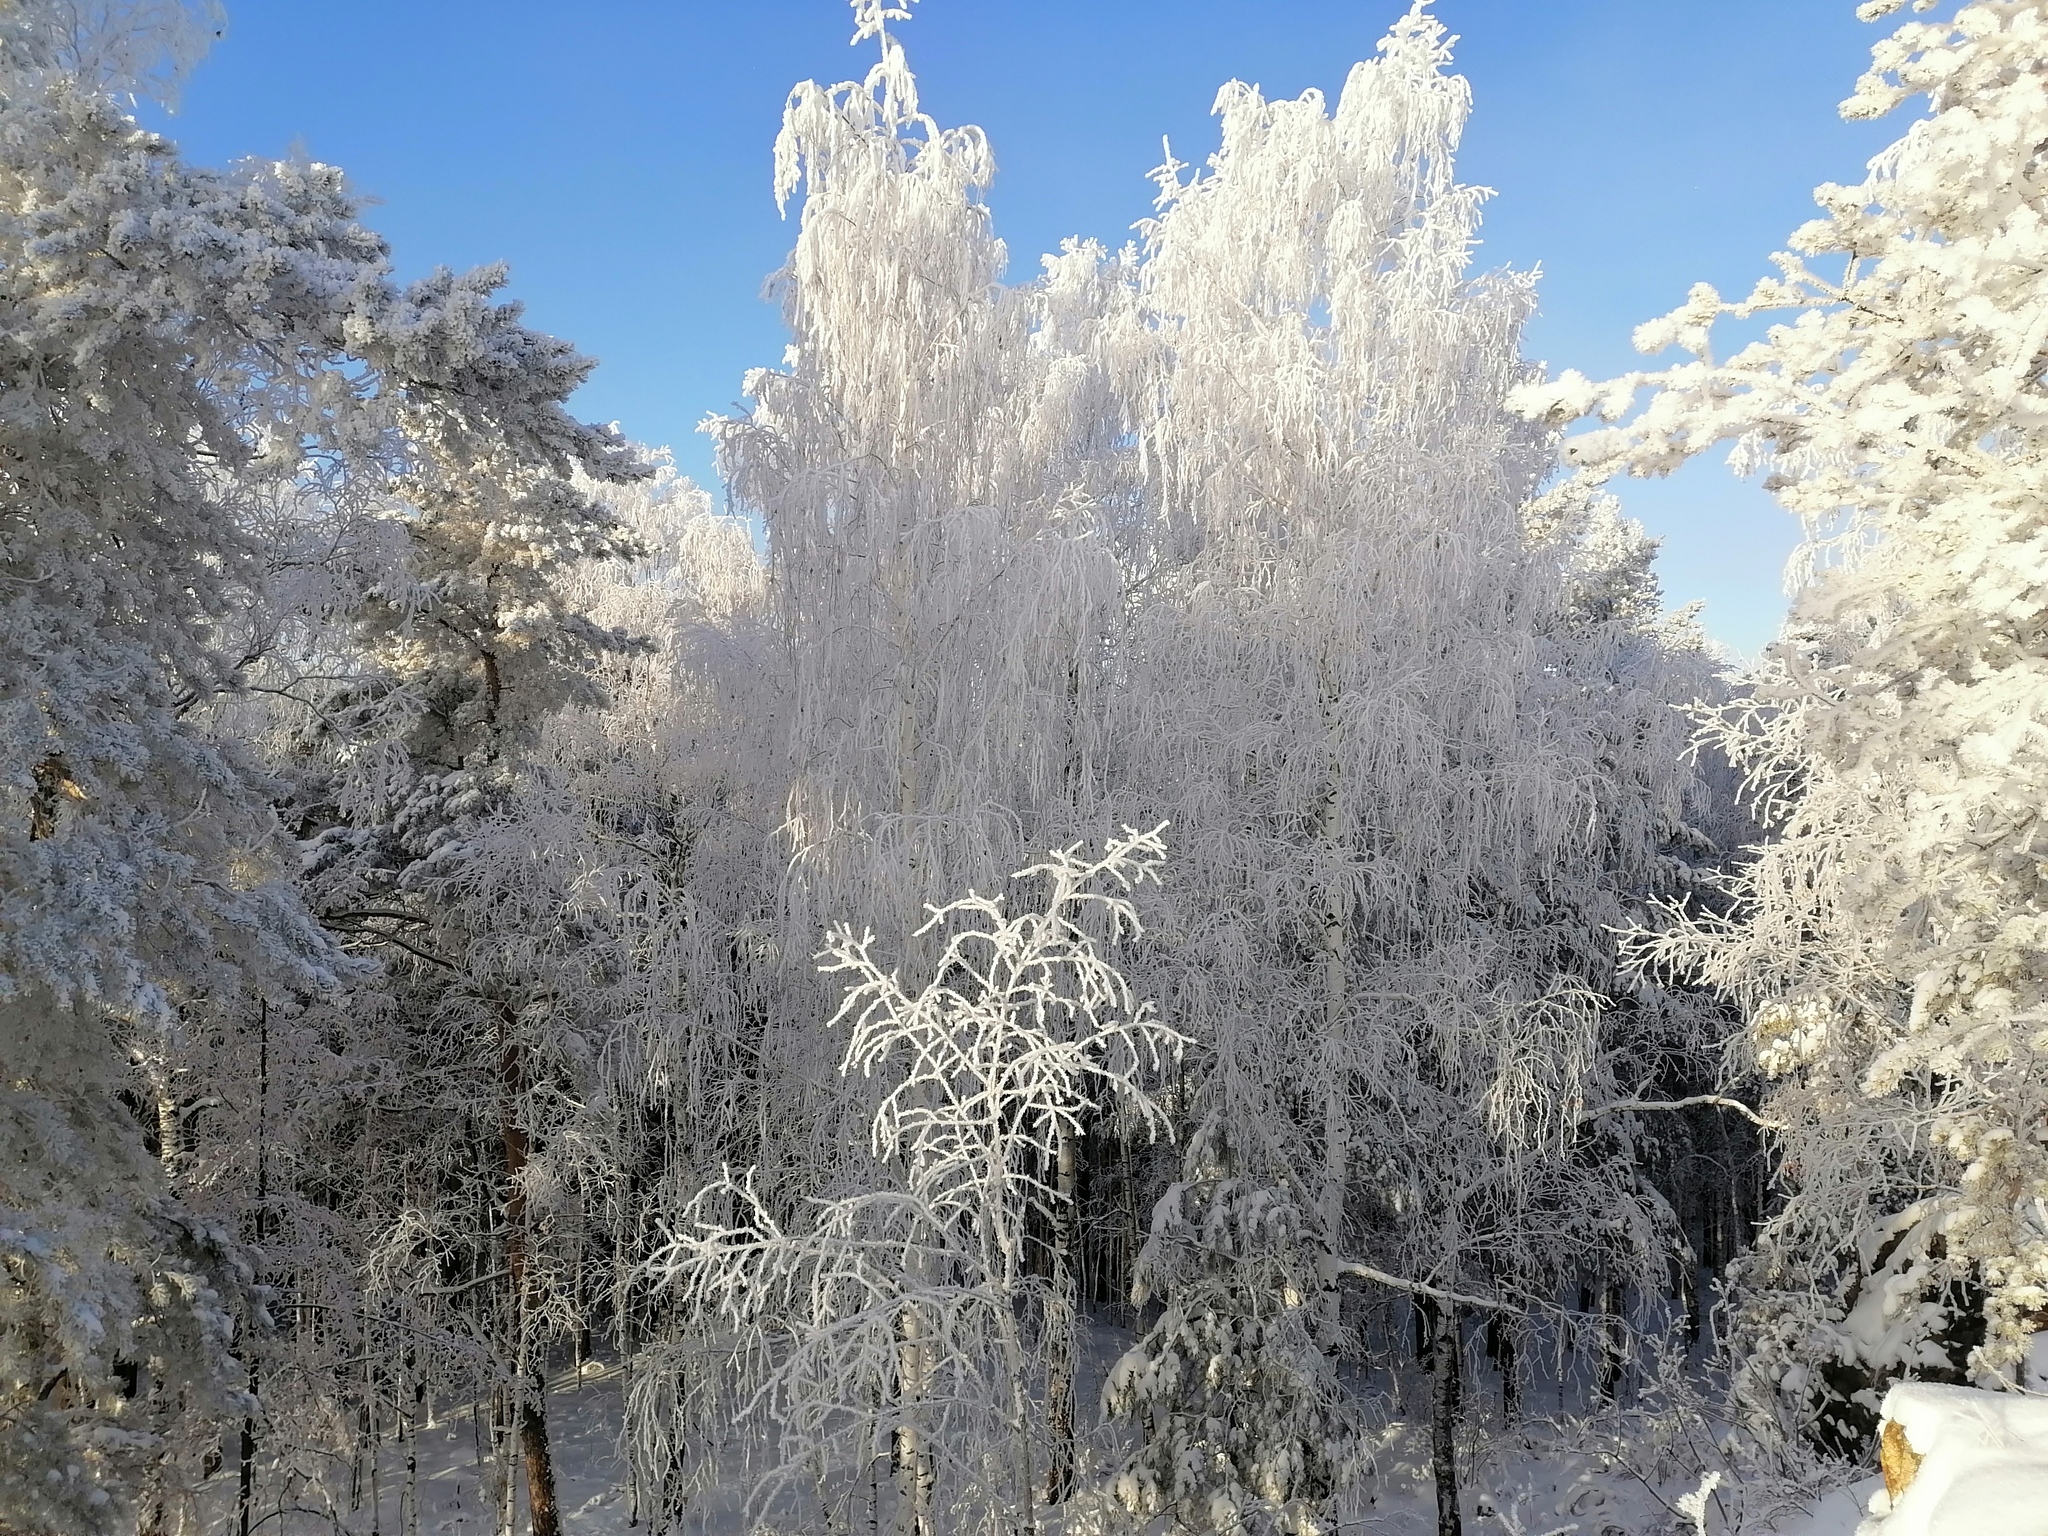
(1146, 923)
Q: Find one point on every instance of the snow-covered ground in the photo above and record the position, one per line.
(1512, 1485)
(1978, 1462)
(1984, 1472)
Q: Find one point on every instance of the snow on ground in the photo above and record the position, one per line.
(1543, 1480)
(1511, 1486)
(1982, 1463)
(1834, 1514)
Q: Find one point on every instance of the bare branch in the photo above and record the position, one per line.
(1621, 1105)
(1341, 1269)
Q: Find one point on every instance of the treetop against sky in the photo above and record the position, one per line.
(618, 158)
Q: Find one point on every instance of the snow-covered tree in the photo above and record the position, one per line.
(1242, 1423)
(468, 644)
(929, 470)
(1886, 942)
(1237, 527)
(1415, 729)
(201, 367)
(904, 1323)
(951, 531)
(142, 875)
(602, 878)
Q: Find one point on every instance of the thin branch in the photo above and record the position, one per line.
(1620, 1105)
(391, 938)
(356, 914)
(467, 1285)
(1351, 1268)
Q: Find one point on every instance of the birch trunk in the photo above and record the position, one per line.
(1333, 963)
(914, 1471)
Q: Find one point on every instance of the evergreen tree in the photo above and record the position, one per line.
(143, 878)
(468, 644)
(203, 367)
(1242, 1423)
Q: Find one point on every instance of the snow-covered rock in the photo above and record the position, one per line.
(1982, 1468)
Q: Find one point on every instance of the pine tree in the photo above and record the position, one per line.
(206, 369)
(468, 645)
(1242, 1423)
(143, 881)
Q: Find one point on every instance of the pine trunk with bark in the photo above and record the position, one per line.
(245, 1479)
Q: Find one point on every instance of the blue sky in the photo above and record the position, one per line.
(616, 153)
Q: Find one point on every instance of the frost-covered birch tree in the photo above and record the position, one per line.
(928, 467)
(904, 1322)
(1886, 941)
(951, 527)
(1251, 495)
(1415, 785)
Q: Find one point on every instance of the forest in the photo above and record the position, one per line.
(1145, 923)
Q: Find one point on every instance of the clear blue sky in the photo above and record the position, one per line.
(616, 153)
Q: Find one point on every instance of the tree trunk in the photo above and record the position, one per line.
(1445, 1367)
(1500, 1347)
(1333, 967)
(1689, 1292)
(412, 1444)
(376, 1450)
(1611, 1339)
(54, 785)
(1063, 1345)
(914, 1472)
(539, 1459)
(1061, 1354)
(504, 1488)
(1020, 1411)
(155, 1513)
(245, 1482)
(531, 1419)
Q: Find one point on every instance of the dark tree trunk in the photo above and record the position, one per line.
(531, 1418)
(245, 1482)
(1510, 1381)
(1060, 1373)
(53, 784)
(539, 1459)
(1611, 1340)
(1445, 1367)
(1689, 1290)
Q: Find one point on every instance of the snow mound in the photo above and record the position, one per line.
(1983, 1464)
